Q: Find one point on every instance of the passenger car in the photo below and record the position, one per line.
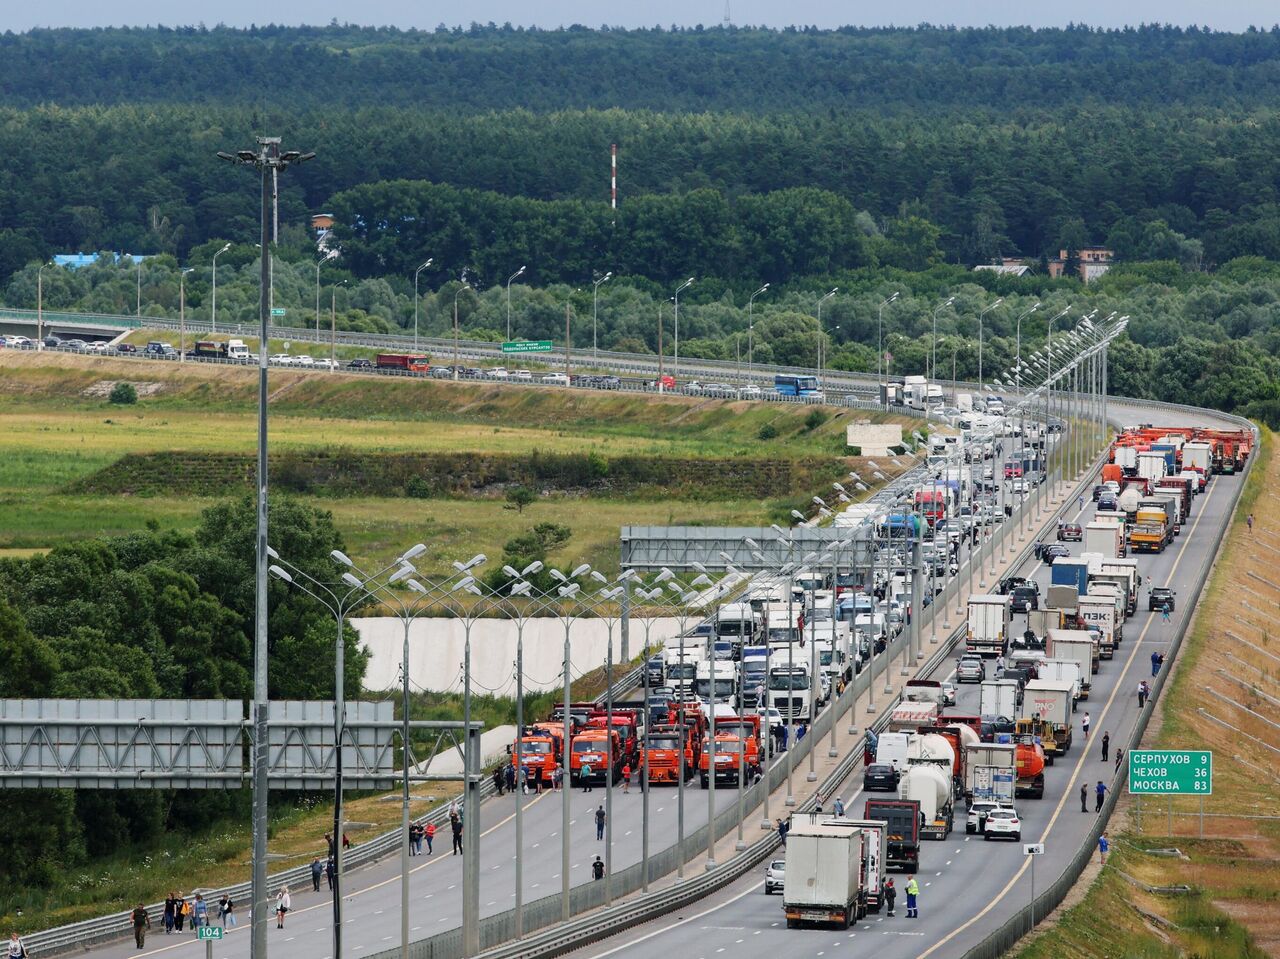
(880, 776)
(971, 669)
(556, 379)
(360, 363)
(1003, 824)
(979, 809)
(775, 876)
(1070, 533)
(1023, 599)
(1160, 597)
(948, 694)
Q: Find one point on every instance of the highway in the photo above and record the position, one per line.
(968, 885)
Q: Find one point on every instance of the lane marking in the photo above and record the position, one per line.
(1067, 793)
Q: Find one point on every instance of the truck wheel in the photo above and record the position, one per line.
(791, 923)
(705, 784)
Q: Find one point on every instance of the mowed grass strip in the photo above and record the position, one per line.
(1227, 667)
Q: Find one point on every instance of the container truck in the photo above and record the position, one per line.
(402, 363)
(1150, 532)
(1198, 456)
(824, 877)
(991, 770)
(1077, 646)
(1070, 571)
(1123, 578)
(230, 350)
(902, 829)
(1065, 671)
(1040, 621)
(1180, 486)
(910, 716)
(1049, 700)
(1152, 465)
(738, 623)
(929, 785)
(1099, 612)
(875, 859)
(998, 697)
(1106, 539)
(1126, 457)
(987, 632)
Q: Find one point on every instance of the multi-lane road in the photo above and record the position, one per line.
(968, 886)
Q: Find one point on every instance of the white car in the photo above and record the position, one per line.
(1003, 823)
(497, 373)
(523, 375)
(773, 715)
(979, 809)
(282, 359)
(96, 346)
(749, 392)
(19, 342)
(304, 360)
(326, 364)
(556, 379)
(693, 386)
(1019, 486)
(775, 877)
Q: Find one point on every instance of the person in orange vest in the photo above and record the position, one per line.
(626, 777)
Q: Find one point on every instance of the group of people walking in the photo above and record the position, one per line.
(181, 913)
(505, 779)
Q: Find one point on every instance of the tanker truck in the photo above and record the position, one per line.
(929, 783)
(1030, 763)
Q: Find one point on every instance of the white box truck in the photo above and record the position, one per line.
(1105, 539)
(991, 772)
(824, 877)
(987, 630)
(1050, 701)
(1077, 646)
(1099, 612)
(998, 697)
(1198, 456)
(1064, 671)
(1152, 466)
(875, 858)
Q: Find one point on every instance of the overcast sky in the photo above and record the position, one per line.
(1233, 15)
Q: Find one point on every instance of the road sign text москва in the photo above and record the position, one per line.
(527, 346)
(1171, 772)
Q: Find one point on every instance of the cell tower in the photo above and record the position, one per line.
(613, 183)
(728, 21)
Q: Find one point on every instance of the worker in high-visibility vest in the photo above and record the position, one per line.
(913, 890)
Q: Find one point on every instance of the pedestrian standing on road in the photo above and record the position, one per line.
(1142, 693)
(1119, 758)
(524, 780)
(141, 923)
(346, 843)
(600, 823)
(284, 902)
(1084, 725)
(429, 833)
(230, 912)
(782, 831)
(1155, 663)
(316, 870)
(201, 912)
(597, 869)
(585, 776)
(329, 873)
(509, 776)
(1104, 846)
(457, 836)
(626, 778)
(999, 665)
(180, 910)
(559, 777)
(890, 896)
(169, 904)
(1084, 797)
(499, 779)
(222, 911)
(913, 891)
(1106, 745)
(1081, 504)
(1100, 793)
(329, 841)
(1164, 612)
(839, 808)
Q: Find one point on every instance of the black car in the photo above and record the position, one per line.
(1097, 491)
(1024, 598)
(125, 348)
(1010, 583)
(993, 726)
(52, 342)
(360, 363)
(880, 776)
(609, 383)
(1160, 598)
(655, 669)
(1107, 501)
(1048, 552)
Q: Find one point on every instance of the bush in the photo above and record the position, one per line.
(768, 432)
(418, 487)
(124, 394)
(518, 497)
(815, 419)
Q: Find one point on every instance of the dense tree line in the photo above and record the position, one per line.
(164, 615)
(747, 69)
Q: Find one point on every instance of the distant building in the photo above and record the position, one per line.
(73, 261)
(321, 224)
(1008, 266)
(1094, 261)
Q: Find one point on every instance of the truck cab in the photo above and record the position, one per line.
(790, 691)
(599, 749)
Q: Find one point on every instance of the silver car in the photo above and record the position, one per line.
(775, 876)
(971, 669)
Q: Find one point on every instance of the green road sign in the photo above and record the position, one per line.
(1170, 772)
(208, 932)
(277, 311)
(527, 346)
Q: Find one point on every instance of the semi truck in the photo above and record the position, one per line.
(910, 716)
(928, 783)
(902, 830)
(987, 630)
(1050, 700)
(1070, 571)
(1106, 539)
(991, 771)
(998, 697)
(738, 623)
(1077, 646)
(824, 878)
(1123, 578)
(875, 859)
(1065, 671)
(790, 690)
(230, 350)
(1198, 456)
(1099, 612)
(1150, 532)
(1152, 465)
(402, 363)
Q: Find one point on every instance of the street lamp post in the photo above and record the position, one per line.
(982, 314)
(595, 291)
(933, 347)
(751, 325)
(415, 303)
(182, 313)
(138, 271)
(824, 299)
(268, 161)
(675, 360)
(329, 255)
(465, 286)
(213, 297)
(514, 276)
(880, 369)
(40, 306)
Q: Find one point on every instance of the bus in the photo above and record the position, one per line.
(789, 385)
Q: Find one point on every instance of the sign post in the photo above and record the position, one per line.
(209, 935)
(1170, 772)
(1033, 849)
(527, 346)
(277, 311)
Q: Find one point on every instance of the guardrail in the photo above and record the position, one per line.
(1004, 937)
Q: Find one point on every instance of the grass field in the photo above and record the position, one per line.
(1224, 696)
(56, 427)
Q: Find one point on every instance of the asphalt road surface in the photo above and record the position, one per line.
(967, 885)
